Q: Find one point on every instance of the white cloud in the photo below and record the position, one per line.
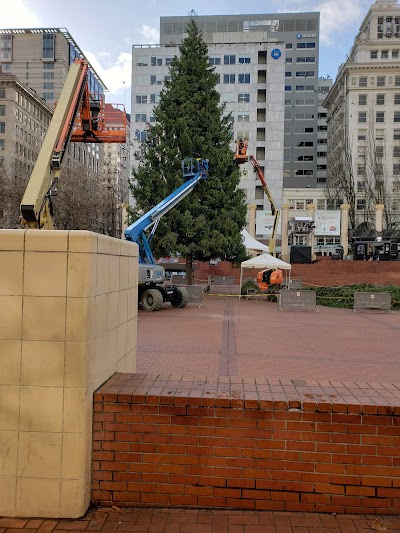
(16, 14)
(337, 16)
(116, 74)
(149, 34)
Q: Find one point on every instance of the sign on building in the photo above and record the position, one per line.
(265, 223)
(327, 222)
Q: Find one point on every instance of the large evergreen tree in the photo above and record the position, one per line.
(190, 122)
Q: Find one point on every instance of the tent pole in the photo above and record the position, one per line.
(240, 283)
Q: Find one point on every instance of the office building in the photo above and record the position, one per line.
(364, 117)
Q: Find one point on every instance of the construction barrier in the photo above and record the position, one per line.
(195, 294)
(295, 284)
(381, 301)
(290, 300)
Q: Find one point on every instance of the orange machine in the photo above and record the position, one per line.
(241, 152)
(79, 116)
(268, 280)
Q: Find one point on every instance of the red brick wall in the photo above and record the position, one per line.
(324, 272)
(279, 445)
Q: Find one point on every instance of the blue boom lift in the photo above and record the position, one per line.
(152, 290)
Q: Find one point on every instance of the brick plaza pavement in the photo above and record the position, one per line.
(204, 521)
(249, 338)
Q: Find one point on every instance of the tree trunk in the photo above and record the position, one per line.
(189, 269)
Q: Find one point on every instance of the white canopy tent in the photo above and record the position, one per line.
(265, 261)
(250, 243)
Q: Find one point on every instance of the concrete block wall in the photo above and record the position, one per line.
(68, 311)
(277, 445)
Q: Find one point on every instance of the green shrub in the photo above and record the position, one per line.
(252, 285)
(343, 296)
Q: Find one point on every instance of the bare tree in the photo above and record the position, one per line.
(13, 180)
(340, 182)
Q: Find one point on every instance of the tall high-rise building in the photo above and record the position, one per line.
(268, 78)
(364, 118)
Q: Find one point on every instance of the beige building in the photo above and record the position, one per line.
(364, 120)
(39, 59)
(24, 118)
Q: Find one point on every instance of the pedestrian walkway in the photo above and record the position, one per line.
(204, 521)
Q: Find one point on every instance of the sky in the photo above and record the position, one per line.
(105, 31)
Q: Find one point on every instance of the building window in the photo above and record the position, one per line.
(2, 110)
(380, 81)
(6, 47)
(288, 74)
(397, 81)
(156, 80)
(2, 127)
(396, 186)
(384, 54)
(396, 135)
(360, 204)
(140, 135)
(141, 98)
(154, 98)
(379, 135)
(244, 78)
(48, 96)
(48, 66)
(361, 169)
(228, 97)
(396, 151)
(48, 85)
(363, 81)
(380, 99)
(48, 46)
(396, 169)
(156, 61)
(362, 99)
(289, 46)
(244, 117)
(214, 60)
(380, 116)
(2, 92)
(243, 97)
(395, 54)
(245, 60)
(362, 116)
(362, 135)
(142, 61)
(360, 186)
(397, 99)
(242, 134)
(288, 88)
(321, 204)
(2, 144)
(396, 117)
(229, 60)
(378, 151)
(140, 117)
(229, 78)
(374, 54)
(48, 75)
(288, 116)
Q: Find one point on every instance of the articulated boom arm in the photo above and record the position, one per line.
(79, 117)
(260, 174)
(198, 169)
